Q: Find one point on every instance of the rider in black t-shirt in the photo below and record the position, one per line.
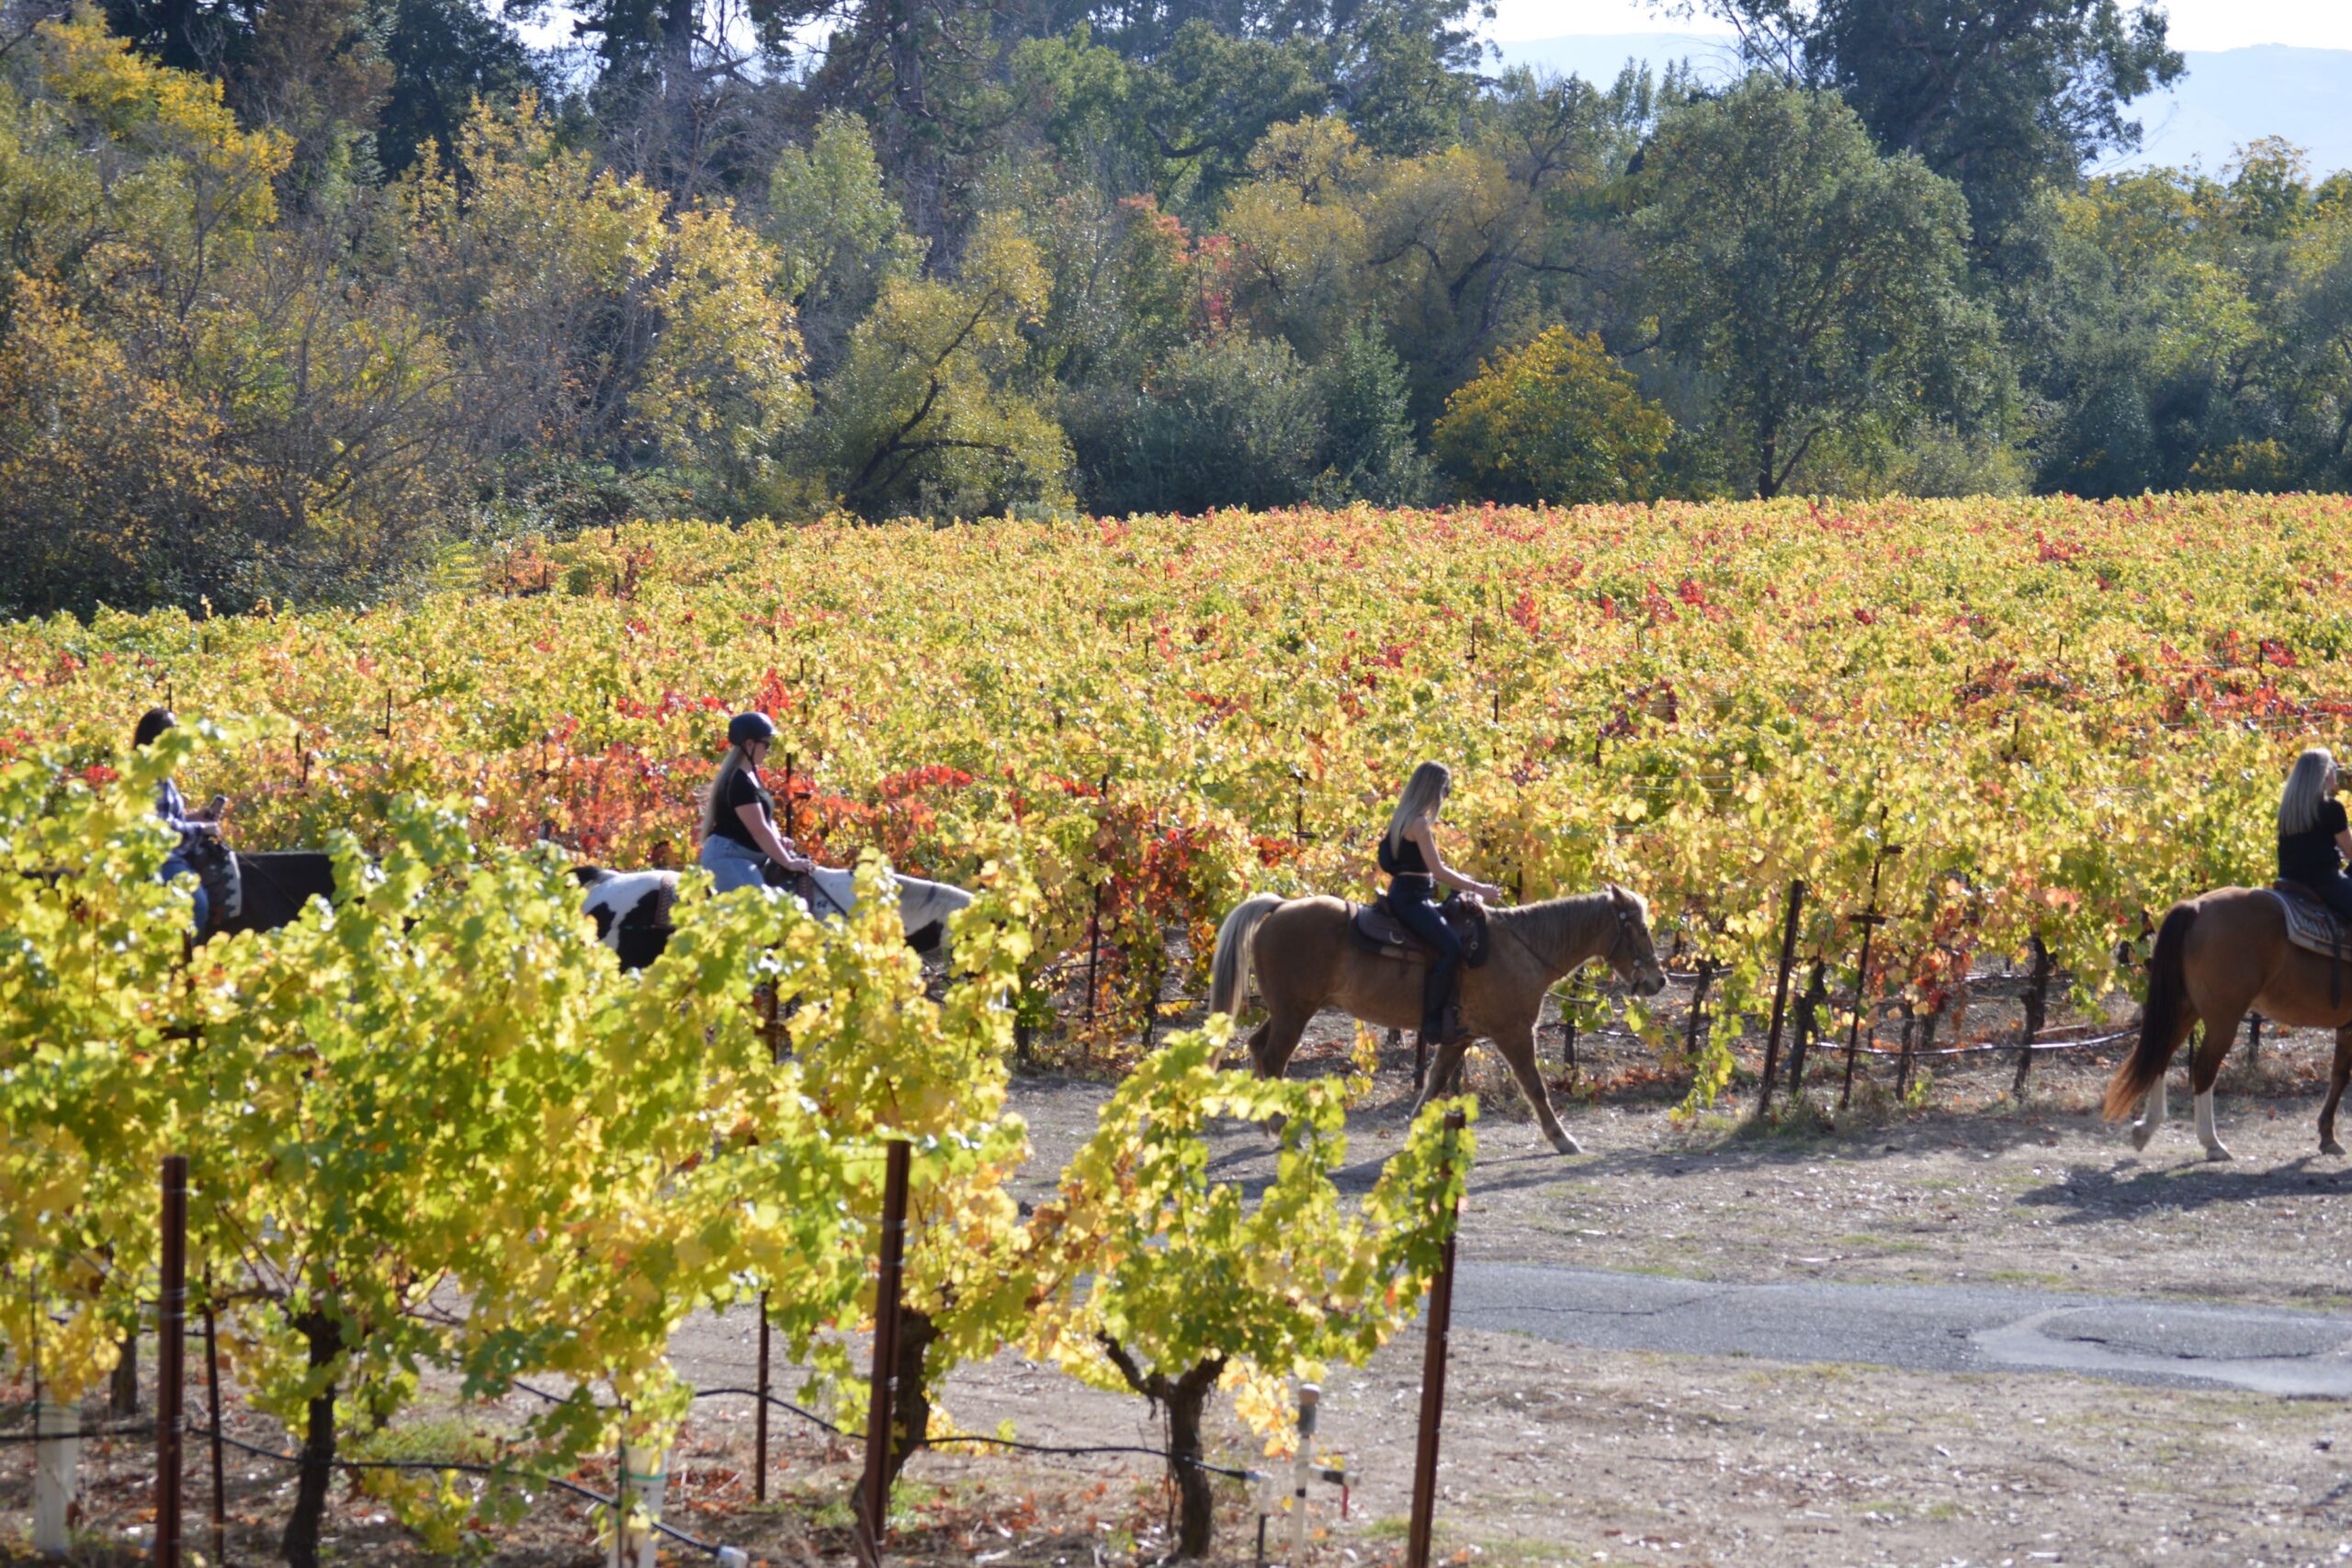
(2314, 835)
(739, 829)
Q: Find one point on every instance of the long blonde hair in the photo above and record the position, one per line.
(2306, 787)
(714, 797)
(1423, 791)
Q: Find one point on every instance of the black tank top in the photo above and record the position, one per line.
(1406, 865)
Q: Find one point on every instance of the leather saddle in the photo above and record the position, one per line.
(1379, 932)
(2311, 924)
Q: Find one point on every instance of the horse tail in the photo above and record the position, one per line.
(1230, 974)
(2162, 1021)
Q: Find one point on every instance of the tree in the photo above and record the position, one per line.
(1233, 421)
(934, 413)
(1369, 453)
(1557, 420)
(1819, 283)
(590, 321)
(839, 236)
(2002, 97)
(1148, 1276)
(444, 55)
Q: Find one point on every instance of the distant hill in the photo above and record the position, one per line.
(2227, 98)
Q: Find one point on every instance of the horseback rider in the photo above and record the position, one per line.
(199, 830)
(2314, 835)
(738, 814)
(1409, 853)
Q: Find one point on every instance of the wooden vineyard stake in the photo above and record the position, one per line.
(1440, 1331)
(873, 1491)
(171, 1350)
(1870, 919)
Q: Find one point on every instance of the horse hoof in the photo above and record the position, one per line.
(2140, 1136)
(1567, 1145)
(2216, 1152)
(2332, 1147)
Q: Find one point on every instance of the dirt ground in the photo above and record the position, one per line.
(1560, 1455)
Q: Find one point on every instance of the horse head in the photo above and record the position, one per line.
(1631, 954)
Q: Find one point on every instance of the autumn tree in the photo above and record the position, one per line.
(934, 410)
(1555, 420)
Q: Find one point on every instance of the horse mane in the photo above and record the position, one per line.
(1557, 925)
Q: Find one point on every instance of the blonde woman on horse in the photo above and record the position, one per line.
(2315, 838)
(1409, 853)
(739, 833)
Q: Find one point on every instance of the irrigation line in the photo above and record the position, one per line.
(953, 1438)
(100, 1434)
(552, 1482)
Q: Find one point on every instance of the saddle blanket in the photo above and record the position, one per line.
(2312, 924)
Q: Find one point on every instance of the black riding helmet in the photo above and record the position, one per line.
(746, 728)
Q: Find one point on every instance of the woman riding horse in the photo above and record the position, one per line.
(1409, 853)
(2314, 835)
(191, 826)
(738, 834)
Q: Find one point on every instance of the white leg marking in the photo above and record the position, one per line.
(2152, 1116)
(2205, 1133)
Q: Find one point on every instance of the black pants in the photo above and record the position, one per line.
(2334, 890)
(1414, 903)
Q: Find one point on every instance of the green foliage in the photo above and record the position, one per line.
(1231, 421)
(932, 412)
(1369, 453)
(1150, 1277)
(1822, 285)
(2003, 97)
(838, 235)
(1557, 420)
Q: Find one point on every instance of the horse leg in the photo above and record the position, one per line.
(2327, 1144)
(1274, 1040)
(1442, 1071)
(2221, 1033)
(1518, 1048)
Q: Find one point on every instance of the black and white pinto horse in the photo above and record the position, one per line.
(632, 908)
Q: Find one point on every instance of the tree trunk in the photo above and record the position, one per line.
(910, 1411)
(302, 1541)
(1187, 1400)
(122, 1389)
(2037, 1001)
(1698, 1014)
(1817, 991)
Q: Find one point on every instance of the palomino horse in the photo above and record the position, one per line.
(2217, 958)
(1306, 961)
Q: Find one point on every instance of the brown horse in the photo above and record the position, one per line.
(1306, 961)
(2217, 958)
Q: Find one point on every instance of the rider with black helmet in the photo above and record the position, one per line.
(738, 814)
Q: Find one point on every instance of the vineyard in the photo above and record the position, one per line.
(2016, 720)
(1995, 724)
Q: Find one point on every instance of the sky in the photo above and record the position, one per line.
(2196, 24)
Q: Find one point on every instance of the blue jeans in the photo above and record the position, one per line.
(1414, 903)
(731, 864)
(178, 865)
